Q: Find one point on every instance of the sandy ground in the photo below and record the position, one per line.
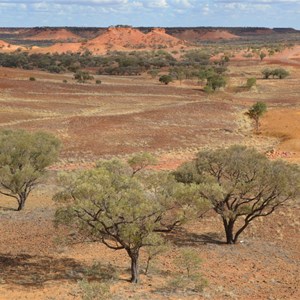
(285, 125)
(265, 265)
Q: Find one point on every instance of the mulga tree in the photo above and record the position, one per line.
(215, 82)
(255, 113)
(280, 73)
(166, 79)
(24, 157)
(262, 55)
(241, 184)
(82, 76)
(140, 161)
(120, 210)
(266, 73)
(214, 77)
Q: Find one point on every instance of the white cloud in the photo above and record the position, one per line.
(206, 10)
(156, 4)
(149, 12)
(182, 3)
(70, 2)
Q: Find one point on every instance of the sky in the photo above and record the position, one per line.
(158, 13)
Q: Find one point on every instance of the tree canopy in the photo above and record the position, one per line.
(120, 210)
(278, 72)
(166, 79)
(241, 184)
(256, 111)
(23, 159)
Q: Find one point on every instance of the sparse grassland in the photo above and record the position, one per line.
(125, 115)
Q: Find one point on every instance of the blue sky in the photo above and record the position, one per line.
(164, 13)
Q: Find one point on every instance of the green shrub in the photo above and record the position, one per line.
(82, 76)
(251, 82)
(279, 72)
(32, 79)
(189, 261)
(153, 72)
(94, 290)
(216, 81)
(166, 79)
(262, 55)
(195, 283)
(207, 89)
(191, 279)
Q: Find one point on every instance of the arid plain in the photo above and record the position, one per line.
(129, 114)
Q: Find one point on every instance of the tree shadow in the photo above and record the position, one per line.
(200, 89)
(27, 270)
(183, 238)
(6, 208)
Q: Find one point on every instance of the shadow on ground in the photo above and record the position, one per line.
(27, 270)
(183, 238)
(6, 208)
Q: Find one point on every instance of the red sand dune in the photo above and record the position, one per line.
(52, 35)
(158, 36)
(218, 35)
(126, 38)
(59, 48)
(119, 35)
(6, 47)
(189, 35)
(115, 39)
(3, 44)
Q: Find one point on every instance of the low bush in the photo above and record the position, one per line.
(94, 290)
(251, 82)
(278, 72)
(166, 79)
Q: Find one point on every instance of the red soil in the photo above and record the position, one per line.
(264, 265)
(115, 39)
(159, 36)
(6, 47)
(218, 35)
(188, 35)
(286, 54)
(59, 48)
(284, 123)
(3, 44)
(287, 57)
(130, 38)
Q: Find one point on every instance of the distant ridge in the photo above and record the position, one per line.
(51, 34)
(100, 40)
(128, 38)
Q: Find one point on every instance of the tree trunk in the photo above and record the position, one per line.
(134, 267)
(256, 124)
(228, 226)
(240, 231)
(147, 265)
(21, 202)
